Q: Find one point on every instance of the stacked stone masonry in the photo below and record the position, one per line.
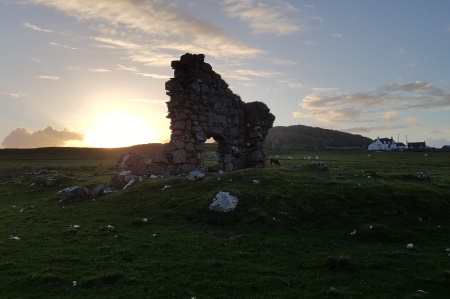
(202, 106)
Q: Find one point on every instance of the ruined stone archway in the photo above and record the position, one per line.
(202, 106)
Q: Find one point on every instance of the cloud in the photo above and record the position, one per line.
(400, 97)
(436, 132)
(161, 102)
(154, 76)
(264, 18)
(278, 61)
(99, 70)
(295, 85)
(36, 28)
(337, 35)
(389, 116)
(127, 68)
(412, 122)
(44, 77)
(62, 46)
(22, 138)
(369, 129)
(14, 95)
(158, 21)
(263, 74)
(338, 115)
(136, 71)
(418, 87)
(318, 19)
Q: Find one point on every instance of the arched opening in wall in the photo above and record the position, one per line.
(211, 157)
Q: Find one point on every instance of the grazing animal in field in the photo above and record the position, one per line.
(274, 161)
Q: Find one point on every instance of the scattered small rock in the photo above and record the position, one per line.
(410, 246)
(422, 175)
(50, 182)
(256, 182)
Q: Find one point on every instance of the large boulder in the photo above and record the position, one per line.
(224, 202)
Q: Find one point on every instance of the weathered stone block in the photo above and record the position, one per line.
(179, 157)
(178, 144)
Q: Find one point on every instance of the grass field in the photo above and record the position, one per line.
(299, 233)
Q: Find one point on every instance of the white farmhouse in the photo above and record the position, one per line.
(383, 144)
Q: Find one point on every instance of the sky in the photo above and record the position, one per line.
(92, 73)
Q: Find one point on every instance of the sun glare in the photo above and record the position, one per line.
(119, 129)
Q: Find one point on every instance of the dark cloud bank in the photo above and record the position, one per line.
(22, 138)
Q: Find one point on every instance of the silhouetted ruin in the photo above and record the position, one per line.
(201, 106)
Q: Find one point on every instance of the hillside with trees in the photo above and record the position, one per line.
(312, 138)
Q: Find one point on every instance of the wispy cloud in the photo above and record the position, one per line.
(136, 71)
(127, 68)
(36, 28)
(12, 94)
(433, 132)
(318, 19)
(99, 70)
(272, 18)
(34, 59)
(160, 102)
(412, 122)
(370, 129)
(154, 76)
(62, 46)
(263, 74)
(116, 43)
(279, 61)
(44, 77)
(159, 21)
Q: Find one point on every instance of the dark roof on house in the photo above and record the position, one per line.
(417, 144)
(400, 144)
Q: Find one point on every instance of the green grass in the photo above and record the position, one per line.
(291, 236)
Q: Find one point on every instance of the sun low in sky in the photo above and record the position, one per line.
(92, 73)
(119, 129)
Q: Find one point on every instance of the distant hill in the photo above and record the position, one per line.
(312, 138)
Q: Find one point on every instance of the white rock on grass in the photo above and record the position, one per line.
(224, 202)
(196, 175)
(410, 246)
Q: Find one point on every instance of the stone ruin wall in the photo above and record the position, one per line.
(201, 106)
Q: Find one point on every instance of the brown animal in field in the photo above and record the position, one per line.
(274, 161)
